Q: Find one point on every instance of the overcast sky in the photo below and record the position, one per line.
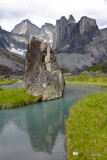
(13, 12)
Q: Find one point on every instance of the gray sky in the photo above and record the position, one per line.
(13, 12)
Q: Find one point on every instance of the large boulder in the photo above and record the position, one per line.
(42, 75)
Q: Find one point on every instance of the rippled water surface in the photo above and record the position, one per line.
(36, 132)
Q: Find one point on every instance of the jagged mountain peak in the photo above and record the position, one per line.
(87, 24)
(47, 32)
(63, 18)
(26, 27)
(88, 20)
(47, 25)
(26, 20)
(71, 19)
(62, 21)
(74, 35)
(16, 41)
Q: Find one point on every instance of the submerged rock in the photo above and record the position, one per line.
(42, 75)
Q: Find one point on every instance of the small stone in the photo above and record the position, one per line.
(75, 153)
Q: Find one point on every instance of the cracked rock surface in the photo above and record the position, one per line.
(42, 75)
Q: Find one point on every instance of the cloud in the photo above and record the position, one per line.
(41, 11)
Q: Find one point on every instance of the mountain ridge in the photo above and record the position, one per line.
(17, 40)
(77, 45)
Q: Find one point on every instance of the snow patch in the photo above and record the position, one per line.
(50, 35)
(18, 50)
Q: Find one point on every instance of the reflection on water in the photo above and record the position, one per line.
(35, 132)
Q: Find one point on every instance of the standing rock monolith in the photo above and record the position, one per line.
(42, 75)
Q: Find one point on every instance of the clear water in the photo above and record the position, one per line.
(36, 132)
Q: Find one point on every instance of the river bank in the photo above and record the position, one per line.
(13, 94)
(86, 125)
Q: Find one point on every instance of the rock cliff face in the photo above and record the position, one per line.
(13, 42)
(69, 35)
(10, 63)
(42, 76)
(3, 39)
(78, 46)
(83, 33)
(47, 32)
(60, 33)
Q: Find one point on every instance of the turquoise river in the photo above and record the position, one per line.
(36, 132)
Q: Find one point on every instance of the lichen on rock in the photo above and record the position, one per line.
(42, 75)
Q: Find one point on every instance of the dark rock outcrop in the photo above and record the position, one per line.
(60, 33)
(42, 76)
(83, 33)
(69, 35)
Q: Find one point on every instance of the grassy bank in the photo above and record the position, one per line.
(6, 82)
(82, 79)
(86, 128)
(16, 97)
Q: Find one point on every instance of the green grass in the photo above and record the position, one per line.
(82, 79)
(86, 128)
(16, 97)
(6, 82)
(101, 67)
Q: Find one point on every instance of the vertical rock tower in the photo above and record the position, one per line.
(42, 75)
